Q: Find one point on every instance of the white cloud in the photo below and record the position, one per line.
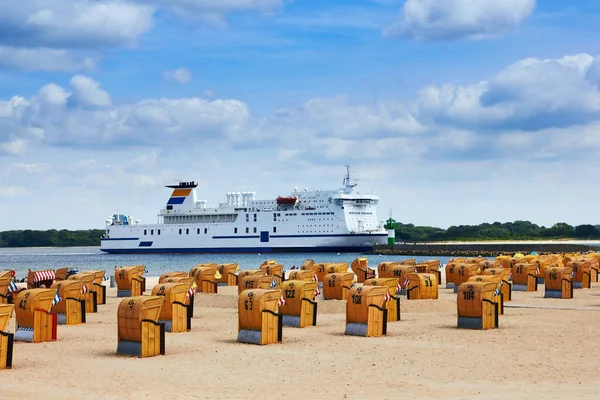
(28, 169)
(180, 75)
(12, 191)
(14, 147)
(87, 92)
(459, 19)
(530, 94)
(72, 23)
(43, 59)
(53, 94)
(214, 11)
(69, 35)
(531, 125)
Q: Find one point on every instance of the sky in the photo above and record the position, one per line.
(452, 111)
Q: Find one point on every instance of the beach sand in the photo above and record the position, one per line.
(536, 353)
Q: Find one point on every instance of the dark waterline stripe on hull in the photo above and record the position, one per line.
(329, 249)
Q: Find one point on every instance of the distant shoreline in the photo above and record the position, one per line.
(589, 242)
(488, 248)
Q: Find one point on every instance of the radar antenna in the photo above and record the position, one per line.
(347, 185)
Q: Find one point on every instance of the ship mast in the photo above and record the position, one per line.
(347, 185)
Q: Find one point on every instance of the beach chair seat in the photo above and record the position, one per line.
(139, 333)
(300, 307)
(422, 286)
(130, 280)
(361, 268)
(337, 286)
(366, 314)
(174, 312)
(87, 294)
(205, 276)
(322, 269)
(497, 279)
(70, 310)
(171, 274)
(400, 272)
(384, 269)
(255, 282)
(524, 277)
(259, 321)
(189, 299)
(35, 320)
(39, 279)
(392, 303)
(506, 287)
(477, 305)
(276, 271)
(98, 287)
(228, 274)
(463, 271)
(559, 283)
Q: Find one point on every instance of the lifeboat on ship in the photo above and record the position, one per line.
(286, 200)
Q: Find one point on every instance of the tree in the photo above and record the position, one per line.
(586, 231)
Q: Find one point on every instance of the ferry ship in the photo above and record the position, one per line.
(341, 220)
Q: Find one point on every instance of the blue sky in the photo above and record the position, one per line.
(453, 111)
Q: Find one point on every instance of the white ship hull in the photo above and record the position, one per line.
(310, 221)
(247, 244)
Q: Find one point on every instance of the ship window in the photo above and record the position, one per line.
(180, 231)
(254, 229)
(198, 231)
(144, 232)
(158, 232)
(205, 231)
(274, 229)
(234, 230)
(187, 231)
(152, 231)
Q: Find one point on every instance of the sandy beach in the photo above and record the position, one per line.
(542, 353)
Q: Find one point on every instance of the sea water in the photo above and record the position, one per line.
(91, 258)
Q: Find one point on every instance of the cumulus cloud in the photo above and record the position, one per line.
(529, 102)
(338, 117)
(87, 92)
(531, 125)
(72, 23)
(43, 59)
(214, 11)
(531, 94)
(14, 147)
(12, 191)
(180, 75)
(69, 35)
(459, 19)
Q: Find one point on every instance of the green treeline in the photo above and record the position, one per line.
(518, 230)
(51, 238)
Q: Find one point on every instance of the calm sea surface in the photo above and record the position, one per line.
(90, 258)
